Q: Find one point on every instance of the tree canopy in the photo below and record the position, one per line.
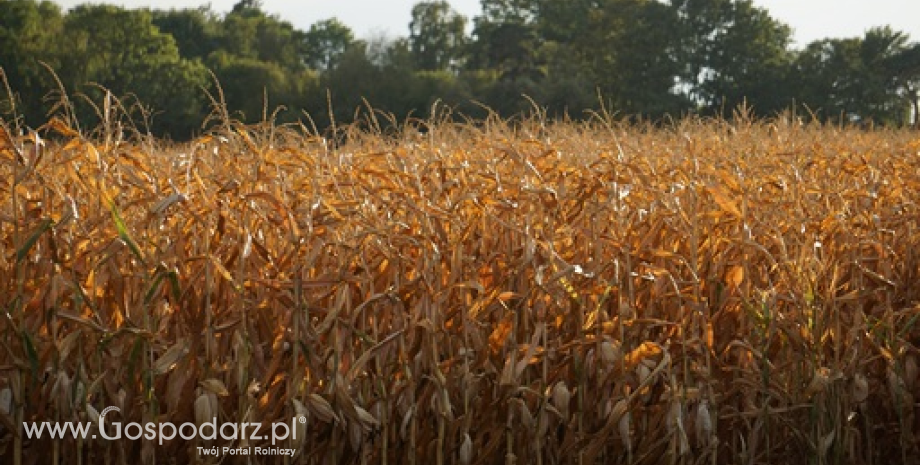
(638, 58)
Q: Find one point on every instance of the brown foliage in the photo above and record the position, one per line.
(708, 293)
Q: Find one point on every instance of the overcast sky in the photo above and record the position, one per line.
(810, 19)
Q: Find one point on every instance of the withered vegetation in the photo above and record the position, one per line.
(708, 292)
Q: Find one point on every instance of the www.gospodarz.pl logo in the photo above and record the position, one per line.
(166, 431)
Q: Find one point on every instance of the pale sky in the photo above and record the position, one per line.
(810, 19)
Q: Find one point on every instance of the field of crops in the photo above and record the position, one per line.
(529, 293)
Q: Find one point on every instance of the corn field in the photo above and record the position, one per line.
(526, 292)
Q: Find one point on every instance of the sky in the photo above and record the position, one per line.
(810, 19)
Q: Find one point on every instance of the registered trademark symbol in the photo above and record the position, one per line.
(302, 419)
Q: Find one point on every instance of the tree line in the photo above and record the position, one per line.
(641, 59)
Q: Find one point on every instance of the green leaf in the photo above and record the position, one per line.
(174, 284)
(33, 238)
(135, 356)
(123, 233)
(155, 285)
(31, 353)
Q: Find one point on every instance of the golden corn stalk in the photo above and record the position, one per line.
(587, 293)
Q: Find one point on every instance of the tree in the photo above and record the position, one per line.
(254, 89)
(826, 77)
(906, 68)
(630, 50)
(196, 31)
(123, 52)
(733, 52)
(565, 21)
(29, 33)
(624, 49)
(570, 87)
(873, 78)
(890, 65)
(506, 39)
(247, 8)
(437, 36)
(325, 43)
(250, 33)
(511, 11)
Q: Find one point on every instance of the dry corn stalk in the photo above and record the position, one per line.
(449, 284)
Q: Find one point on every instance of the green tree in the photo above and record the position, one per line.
(254, 89)
(196, 31)
(353, 77)
(631, 53)
(827, 78)
(380, 71)
(890, 71)
(905, 65)
(260, 64)
(250, 8)
(325, 43)
(29, 33)
(437, 36)
(507, 40)
(511, 11)
(624, 49)
(733, 52)
(569, 87)
(250, 33)
(363, 72)
(565, 21)
(504, 56)
(122, 51)
(868, 79)
(397, 88)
